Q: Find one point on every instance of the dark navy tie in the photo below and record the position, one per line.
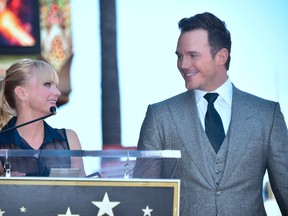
(213, 123)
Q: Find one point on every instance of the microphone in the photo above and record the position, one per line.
(52, 112)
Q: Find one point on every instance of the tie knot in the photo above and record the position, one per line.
(211, 97)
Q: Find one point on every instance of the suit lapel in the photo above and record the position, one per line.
(185, 116)
(239, 130)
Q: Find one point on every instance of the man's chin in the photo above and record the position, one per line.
(190, 87)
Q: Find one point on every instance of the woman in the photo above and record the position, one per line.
(28, 91)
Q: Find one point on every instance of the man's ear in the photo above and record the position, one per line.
(20, 92)
(222, 56)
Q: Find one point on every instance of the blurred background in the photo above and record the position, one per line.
(121, 58)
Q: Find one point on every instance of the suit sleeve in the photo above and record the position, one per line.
(149, 138)
(278, 160)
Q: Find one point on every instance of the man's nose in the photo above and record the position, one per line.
(185, 63)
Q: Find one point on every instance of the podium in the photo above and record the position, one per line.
(124, 182)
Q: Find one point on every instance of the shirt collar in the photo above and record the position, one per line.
(13, 136)
(225, 91)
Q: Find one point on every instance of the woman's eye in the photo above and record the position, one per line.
(48, 84)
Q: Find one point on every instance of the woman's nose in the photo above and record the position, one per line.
(57, 92)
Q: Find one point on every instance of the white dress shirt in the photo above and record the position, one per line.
(222, 104)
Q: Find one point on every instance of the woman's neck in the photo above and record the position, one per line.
(33, 134)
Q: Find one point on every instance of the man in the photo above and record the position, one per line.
(222, 176)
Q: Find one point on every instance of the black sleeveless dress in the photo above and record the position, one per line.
(54, 139)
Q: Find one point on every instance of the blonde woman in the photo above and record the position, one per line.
(28, 91)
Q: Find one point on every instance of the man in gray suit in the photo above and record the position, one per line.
(225, 179)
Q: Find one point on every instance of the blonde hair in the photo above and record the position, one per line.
(19, 74)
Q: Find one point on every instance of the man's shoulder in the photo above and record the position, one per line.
(250, 98)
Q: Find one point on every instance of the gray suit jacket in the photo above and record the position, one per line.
(257, 141)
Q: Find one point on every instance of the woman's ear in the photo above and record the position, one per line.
(20, 92)
(222, 56)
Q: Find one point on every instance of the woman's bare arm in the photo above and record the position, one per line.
(74, 144)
